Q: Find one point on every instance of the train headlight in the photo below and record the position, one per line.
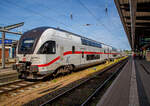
(34, 68)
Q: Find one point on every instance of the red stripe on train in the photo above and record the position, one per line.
(51, 62)
(70, 52)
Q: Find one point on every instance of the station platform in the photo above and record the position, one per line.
(131, 87)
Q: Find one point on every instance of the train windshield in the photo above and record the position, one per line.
(27, 45)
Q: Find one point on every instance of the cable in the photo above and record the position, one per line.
(55, 11)
(37, 13)
(21, 18)
(91, 13)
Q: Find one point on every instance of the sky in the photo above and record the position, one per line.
(95, 19)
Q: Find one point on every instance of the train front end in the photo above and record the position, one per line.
(26, 56)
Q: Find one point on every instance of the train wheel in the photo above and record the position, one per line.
(67, 69)
(58, 72)
(70, 68)
(64, 70)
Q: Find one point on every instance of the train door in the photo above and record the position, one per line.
(75, 57)
(61, 53)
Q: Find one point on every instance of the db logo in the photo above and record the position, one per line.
(24, 59)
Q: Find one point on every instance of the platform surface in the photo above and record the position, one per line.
(143, 81)
(131, 87)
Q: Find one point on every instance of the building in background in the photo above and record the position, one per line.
(10, 48)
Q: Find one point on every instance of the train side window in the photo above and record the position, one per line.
(82, 54)
(49, 47)
(73, 49)
(92, 57)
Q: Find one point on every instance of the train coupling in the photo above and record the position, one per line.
(19, 67)
(22, 67)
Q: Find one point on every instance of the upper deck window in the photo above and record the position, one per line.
(90, 43)
(49, 47)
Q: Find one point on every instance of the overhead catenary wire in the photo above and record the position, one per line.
(70, 15)
(37, 13)
(93, 15)
(9, 19)
(109, 10)
(48, 17)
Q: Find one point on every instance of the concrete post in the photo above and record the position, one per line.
(3, 50)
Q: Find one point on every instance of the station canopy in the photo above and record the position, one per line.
(135, 17)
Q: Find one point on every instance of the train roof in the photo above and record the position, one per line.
(42, 29)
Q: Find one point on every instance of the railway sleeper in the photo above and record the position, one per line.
(25, 74)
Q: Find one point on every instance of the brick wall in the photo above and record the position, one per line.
(6, 53)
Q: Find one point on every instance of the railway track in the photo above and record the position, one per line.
(83, 93)
(8, 77)
(101, 87)
(15, 85)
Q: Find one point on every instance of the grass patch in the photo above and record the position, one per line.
(54, 80)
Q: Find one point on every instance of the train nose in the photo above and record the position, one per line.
(35, 60)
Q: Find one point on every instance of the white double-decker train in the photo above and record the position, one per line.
(48, 51)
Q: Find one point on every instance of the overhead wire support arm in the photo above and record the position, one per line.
(6, 30)
(9, 27)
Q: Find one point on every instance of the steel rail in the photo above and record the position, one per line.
(8, 77)
(5, 88)
(63, 93)
(102, 85)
